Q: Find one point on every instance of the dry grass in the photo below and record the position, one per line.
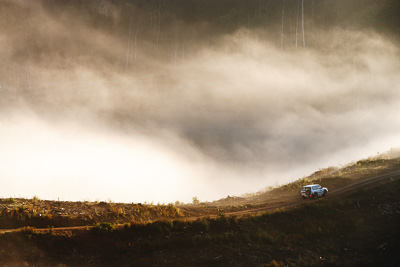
(361, 229)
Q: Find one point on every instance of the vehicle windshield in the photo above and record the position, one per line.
(306, 188)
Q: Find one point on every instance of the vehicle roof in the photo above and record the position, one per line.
(311, 185)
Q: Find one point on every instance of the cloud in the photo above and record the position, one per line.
(232, 117)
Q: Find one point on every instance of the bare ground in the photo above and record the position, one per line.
(339, 182)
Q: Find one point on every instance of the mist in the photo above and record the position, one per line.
(91, 114)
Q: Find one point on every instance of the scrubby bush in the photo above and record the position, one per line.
(104, 227)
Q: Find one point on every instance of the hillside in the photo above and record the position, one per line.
(333, 178)
(360, 228)
(16, 213)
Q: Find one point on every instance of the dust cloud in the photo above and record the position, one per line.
(81, 120)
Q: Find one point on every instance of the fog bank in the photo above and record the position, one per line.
(229, 117)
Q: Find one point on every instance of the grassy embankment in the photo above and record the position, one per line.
(16, 213)
(358, 229)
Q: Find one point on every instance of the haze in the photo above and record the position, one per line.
(132, 101)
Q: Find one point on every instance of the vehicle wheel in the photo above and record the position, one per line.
(303, 197)
(315, 196)
(324, 193)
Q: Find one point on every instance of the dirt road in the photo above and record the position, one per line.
(295, 201)
(356, 185)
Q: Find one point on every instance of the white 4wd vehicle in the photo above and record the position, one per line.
(313, 191)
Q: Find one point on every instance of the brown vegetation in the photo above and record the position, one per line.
(15, 213)
(44, 213)
(360, 229)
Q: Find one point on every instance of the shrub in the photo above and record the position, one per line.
(196, 201)
(104, 227)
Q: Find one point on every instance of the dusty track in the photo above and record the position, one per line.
(356, 185)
